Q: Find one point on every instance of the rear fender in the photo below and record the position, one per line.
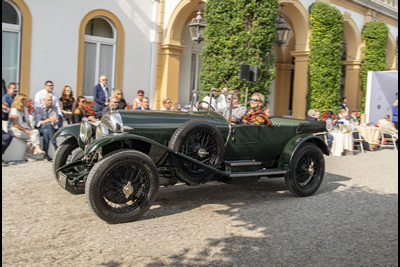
(295, 143)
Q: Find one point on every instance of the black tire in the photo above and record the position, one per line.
(67, 151)
(200, 140)
(306, 171)
(122, 186)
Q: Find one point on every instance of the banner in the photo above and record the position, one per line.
(381, 94)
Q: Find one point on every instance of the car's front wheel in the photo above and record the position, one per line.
(122, 187)
(306, 172)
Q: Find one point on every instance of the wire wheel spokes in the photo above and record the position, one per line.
(200, 146)
(125, 188)
(308, 170)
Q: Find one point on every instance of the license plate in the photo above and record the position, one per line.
(63, 179)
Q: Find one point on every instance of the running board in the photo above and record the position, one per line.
(261, 173)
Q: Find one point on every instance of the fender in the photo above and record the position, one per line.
(103, 141)
(294, 144)
(69, 130)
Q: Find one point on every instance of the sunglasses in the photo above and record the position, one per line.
(68, 90)
(255, 100)
(169, 102)
(119, 93)
(83, 101)
(140, 95)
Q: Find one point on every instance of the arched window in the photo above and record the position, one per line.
(99, 54)
(11, 42)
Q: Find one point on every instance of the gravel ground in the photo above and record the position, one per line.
(352, 220)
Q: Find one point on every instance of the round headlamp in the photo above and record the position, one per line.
(101, 130)
(85, 130)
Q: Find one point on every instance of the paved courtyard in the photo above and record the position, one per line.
(351, 221)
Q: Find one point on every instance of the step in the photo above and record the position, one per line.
(242, 166)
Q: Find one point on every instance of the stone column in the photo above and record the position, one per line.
(282, 88)
(169, 71)
(300, 84)
(352, 86)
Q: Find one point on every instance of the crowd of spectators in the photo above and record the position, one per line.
(49, 112)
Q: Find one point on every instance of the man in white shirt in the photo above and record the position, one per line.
(218, 102)
(387, 126)
(39, 96)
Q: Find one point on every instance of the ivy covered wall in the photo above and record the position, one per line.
(375, 35)
(238, 32)
(325, 63)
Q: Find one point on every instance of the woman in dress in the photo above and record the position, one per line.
(137, 102)
(121, 100)
(66, 101)
(79, 110)
(20, 127)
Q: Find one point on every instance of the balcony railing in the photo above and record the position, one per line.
(392, 4)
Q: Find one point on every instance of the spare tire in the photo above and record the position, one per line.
(200, 140)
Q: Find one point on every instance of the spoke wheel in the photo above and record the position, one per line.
(122, 187)
(306, 172)
(200, 140)
(67, 152)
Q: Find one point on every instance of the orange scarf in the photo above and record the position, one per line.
(256, 117)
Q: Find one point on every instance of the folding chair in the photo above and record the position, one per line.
(387, 137)
(358, 141)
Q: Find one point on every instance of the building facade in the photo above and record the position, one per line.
(146, 45)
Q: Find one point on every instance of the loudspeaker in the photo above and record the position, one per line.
(244, 72)
(253, 74)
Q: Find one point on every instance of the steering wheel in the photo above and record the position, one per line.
(200, 106)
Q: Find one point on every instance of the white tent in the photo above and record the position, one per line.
(381, 93)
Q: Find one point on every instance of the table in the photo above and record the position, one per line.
(341, 142)
(371, 134)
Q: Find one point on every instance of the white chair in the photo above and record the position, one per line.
(358, 141)
(392, 139)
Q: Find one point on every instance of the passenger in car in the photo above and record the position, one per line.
(237, 110)
(256, 114)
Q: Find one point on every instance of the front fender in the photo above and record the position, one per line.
(103, 141)
(295, 143)
(69, 130)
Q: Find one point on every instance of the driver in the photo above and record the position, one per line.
(237, 110)
(217, 101)
(256, 114)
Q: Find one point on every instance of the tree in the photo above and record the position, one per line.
(325, 65)
(238, 32)
(375, 35)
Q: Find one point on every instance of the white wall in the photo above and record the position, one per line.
(55, 35)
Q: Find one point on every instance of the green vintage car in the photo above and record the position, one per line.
(121, 161)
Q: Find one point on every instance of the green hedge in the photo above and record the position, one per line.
(325, 64)
(375, 35)
(238, 32)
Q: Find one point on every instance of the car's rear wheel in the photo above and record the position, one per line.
(306, 172)
(67, 152)
(122, 187)
(200, 140)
